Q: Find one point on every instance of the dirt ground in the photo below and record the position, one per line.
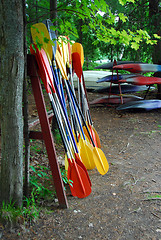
(125, 204)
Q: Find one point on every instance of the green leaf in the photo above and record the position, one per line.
(123, 2)
(85, 28)
(125, 37)
(122, 17)
(134, 45)
(137, 39)
(151, 42)
(46, 40)
(33, 168)
(157, 36)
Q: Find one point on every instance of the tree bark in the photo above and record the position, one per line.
(154, 17)
(53, 10)
(11, 89)
(26, 115)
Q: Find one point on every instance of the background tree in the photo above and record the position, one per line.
(11, 88)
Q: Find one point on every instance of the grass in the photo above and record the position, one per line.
(11, 215)
(42, 192)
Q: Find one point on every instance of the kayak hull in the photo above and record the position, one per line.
(142, 104)
(115, 78)
(115, 99)
(126, 88)
(142, 80)
(110, 65)
(138, 68)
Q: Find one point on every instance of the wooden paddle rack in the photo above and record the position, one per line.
(45, 134)
(119, 86)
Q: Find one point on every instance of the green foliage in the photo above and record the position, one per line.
(11, 215)
(57, 136)
(64, 177)
(125, 24)
(41, 183)
(35, 147)
(90, 65)
(123, 2)
(41, 191)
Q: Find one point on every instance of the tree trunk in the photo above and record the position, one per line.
(154, 17)
(53, 15)
(26, 115)
(11, 88)
(53, 10)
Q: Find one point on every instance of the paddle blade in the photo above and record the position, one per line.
(80, 163)
(66, 162)
(86, 154)
(60, 64)
(77, 47)
(52, 34)
(41, 37)
(69, 51)
(97, 137)
(81, 185)
(62, 41)
(69, 178)
(93, 135)
(88, 137)
(41, 68)
(101, 161)
(77, 64)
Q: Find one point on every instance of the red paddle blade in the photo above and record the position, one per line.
(79, 162)
(41, 68)
(81, 184)
(77, 64)
(69, 177)
(44, 67)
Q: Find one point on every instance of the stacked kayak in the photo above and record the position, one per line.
(127, 82)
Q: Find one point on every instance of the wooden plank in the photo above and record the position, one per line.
(35, 121)
(46, 131)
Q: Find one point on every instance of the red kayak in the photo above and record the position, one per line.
(115, 99)
(138, 68)
(110, 65)
(142, 80)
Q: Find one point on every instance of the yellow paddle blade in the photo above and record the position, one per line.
(97, 137)
(66, 163)
(75, 136)
(86, 133)
(87, 139)
(100, 161)
(77, 47)
(60, 64)
(41, 37)
(86, 154)
(67, 53)
(59, 48)
(96, 134)
(62, 42)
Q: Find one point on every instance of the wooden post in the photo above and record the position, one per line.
(46, 131)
